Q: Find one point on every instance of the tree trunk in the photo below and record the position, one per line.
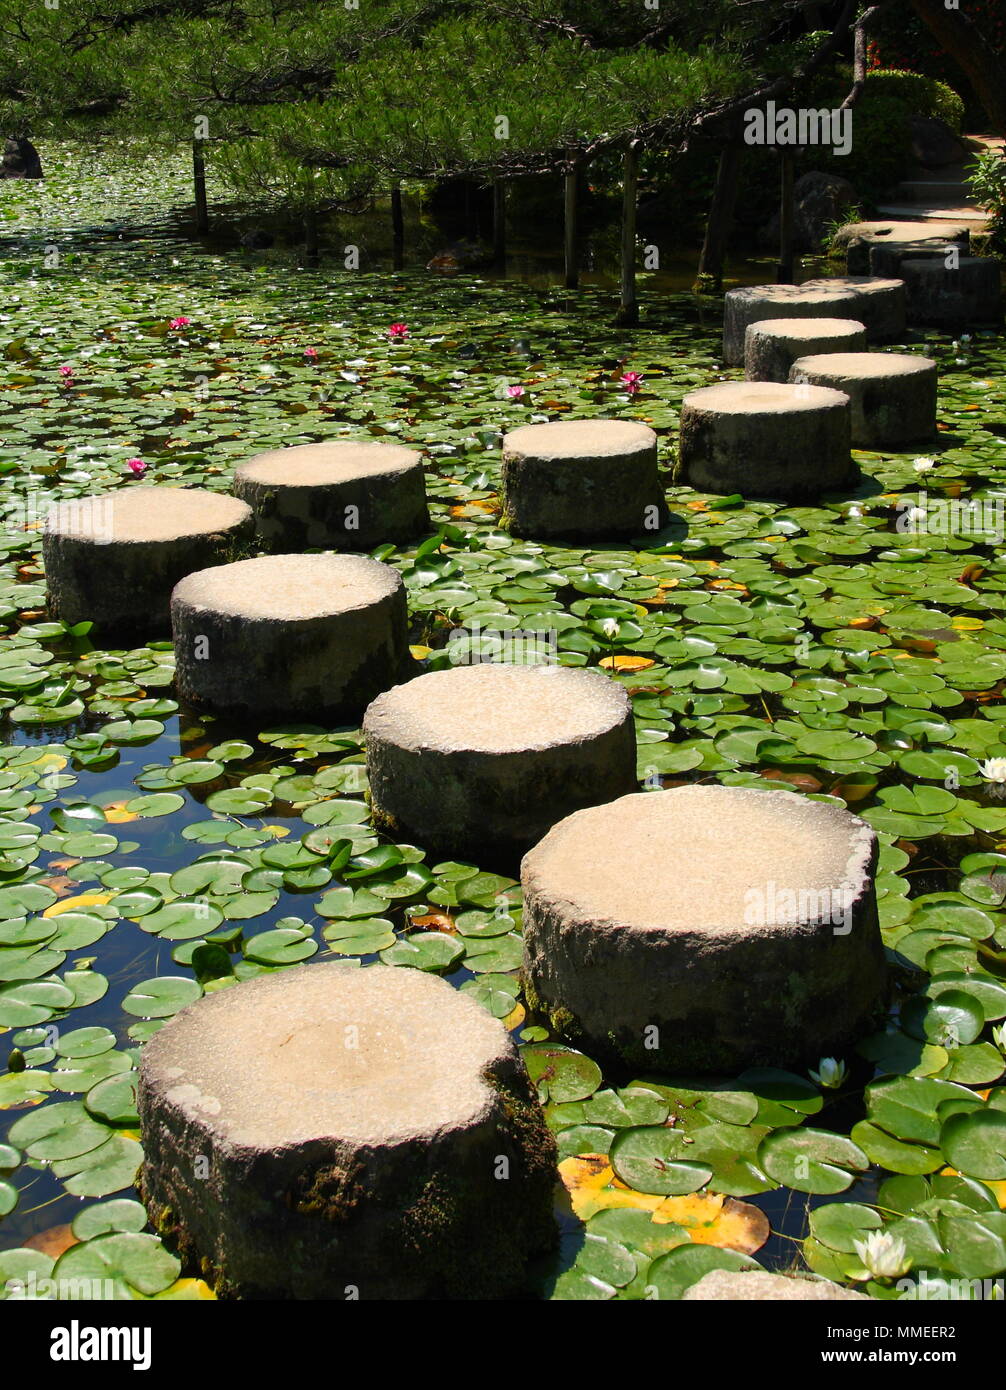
(499, 223)
(199, 184)
(859, 53)
(971, 49)
(785, 271)
(572, 239)
(721, 215)
(397, 227)
(628, 307)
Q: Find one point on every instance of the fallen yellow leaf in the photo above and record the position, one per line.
(116, 813)
(588, 1179)
(712, 1219)
(75, 903)
(277, 831)
(626, 663)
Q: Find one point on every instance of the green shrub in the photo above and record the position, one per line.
(881, 147)
(987, 179)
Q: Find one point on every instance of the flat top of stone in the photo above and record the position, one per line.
(763, 397)
(572, 439)
(375, 1053)
(150, 513)
(687, 858)
(805, 328)
(867, 365)
(790, 294)
(754, 1286)
(879, 232)
(289, 586)
(865, 284)
(498, 708)
(315, 465)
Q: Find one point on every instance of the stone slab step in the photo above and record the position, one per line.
(973, 216)
(933, 191)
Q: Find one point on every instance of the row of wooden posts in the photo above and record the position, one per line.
(711, 260)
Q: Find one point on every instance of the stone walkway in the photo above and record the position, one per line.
(942, 195)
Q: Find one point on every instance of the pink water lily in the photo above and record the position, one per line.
(66, 373)
(311, 353)
(632, 381)
(180, 323)
(137, 467)
(515, 392)
(398, 331)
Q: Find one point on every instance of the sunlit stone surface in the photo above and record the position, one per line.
(581, 478)
(706, 928)
(344, 495)
(327, 1129)
(765, 439)
(292, 635)
(753, 302)
(892, 395)
(484, 759)
(880, 303)
(752, 1286)
(113, 558)
(771, 346)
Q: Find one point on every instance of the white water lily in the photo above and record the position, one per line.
(965, 338)
(883, 1255)
(999, 1037)
(923, 465)
(994, 769)
(609, 627)
(830, 1073)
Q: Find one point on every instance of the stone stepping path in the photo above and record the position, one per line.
(750, 303)
(880, 303)
(655, 931)
(114, 558)
(327, 1129)
(771, 346)
(310, 636)
(581, 479)
(892, 394)
(765, 439)
(480, 761)
(345, 495)
(859, 239)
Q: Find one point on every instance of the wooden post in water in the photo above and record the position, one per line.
(397, 227)
(628, 307)
(499, 223)
(571, 188)
(721, 214)
(199, 184)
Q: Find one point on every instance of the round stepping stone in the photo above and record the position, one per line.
(859, 238)
(957, 297)
(753, 1286)
(706, 929)
(483, 760)
(892, 395)
(114, 558)
(886, 260)
(771, 346)
(328, 1132)
(764, 439)
(753, 302)
(290, 635)
(581, 478)
(346, 495)
(880, 304)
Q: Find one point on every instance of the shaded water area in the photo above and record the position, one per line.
(823, 648)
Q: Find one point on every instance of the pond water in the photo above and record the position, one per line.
(823, 648)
